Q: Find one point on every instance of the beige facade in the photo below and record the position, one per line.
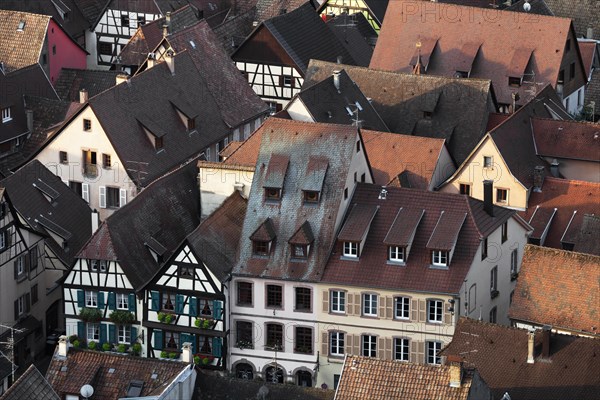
(218, 181)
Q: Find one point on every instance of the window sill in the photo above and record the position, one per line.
(340, 313)
(349, 258)
(401, 319)
(303, 310)
(274, 308)
(398, 263)
(302, 353)
(433, 266)
(21, 278)
(370, 316)
(435, 322)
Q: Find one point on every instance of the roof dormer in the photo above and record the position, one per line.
(301, 242)
(423, 52)
(518, 66)
(355, 230)
(275, 177)
(313, 180)
(154, 132)
(444, 237)
(400, 236)
(186, 113)
(466, 61)
(263, 238)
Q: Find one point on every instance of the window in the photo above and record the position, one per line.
(274, 296)
(125, 20)
(20, 306)
(338, 301)
(191, 124)
(124, 334)
(106, 162)
(260, 248)
(493, 314)
(336, 343)
(402, 307)
(370, 305)
(299, 251)
(504, 232)
(287, 81)
(304, 340)
(272, 194)
(168, 301)
(501, 195)
(93, 331)
(172, 340)
(112, 197)
(579, 98)
(494, 282)
(461, 74)
(33, 258)
(568, 45)
(401, 349)
(561, 76)
(21, 26)
(141, 20)
(572, 71)
(311, 196)
(185, 272)
(34, 294)
(433, 348)
(396, 254)
(20, 267)
(87, 125)
(484, 248)
(514, 259)
(435, 310)
(122, 301)
(514, 81)
(54, 50)
(369, 346)
(6, 115)
(3, 240)
(567, 103)
(244, 335)
(244, 294)
(303, 299)
(94, 265)
(427, 114)
(487, 162)
(351, 249)
(91, 299)
(274, 337)
(62, 157)
(439, 258)
(465, 189)
(158, 143)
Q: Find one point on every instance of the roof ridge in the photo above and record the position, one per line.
(552, 250)
(568, 121)
(571, 181)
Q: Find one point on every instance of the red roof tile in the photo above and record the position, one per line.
(246, 153)
(265, 232)
(588, 49)
(567, 139)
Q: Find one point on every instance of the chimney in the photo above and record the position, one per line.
(168, 18)
(165, 29)
(530, 346)
(95, 221)
(590, 33)
(488, 192)
(151, 60)
(339, 59)
(455, 371)
(186, 353)
(63, 345)
(538, 178)
(29, 117)
(546, 330)
(83, 96)
(336, 79)
(170, 60)
(554, 168)
(122, 78)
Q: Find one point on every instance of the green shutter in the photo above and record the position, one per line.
(158, 340)
(178, 303)
(112, 333)
(155, 304)
(81, 329)
(80, 298)
(218, 309)
(216, 346)
(184, 339)
(112, 299)
(131, 302)
(103, 332)
(134, 334)
(101, 301)
(193, 340)
(193, 306)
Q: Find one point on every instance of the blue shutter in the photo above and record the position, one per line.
(218, 309)
(155, 304)
(184, 338)
(101, 301)
(193, 306)
(80, 298)
(178, 303)
(81, 330)
(216, 346)
(134, 334)
(103, 332)
(131, 302)
(112, 333)
(193, 340)
(158, 340)
(112, 299)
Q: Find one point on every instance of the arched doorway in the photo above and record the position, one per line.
(244, 371)
(304, 378)
(274, 375)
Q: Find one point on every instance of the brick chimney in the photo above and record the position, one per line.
(336, 79)
(455, 370)
(488, 192)
(83, 96)
(530, 346)
(546, 330)
(186, 353)
(63, 346)
(122, 78)
(538, 178)
(554, 168)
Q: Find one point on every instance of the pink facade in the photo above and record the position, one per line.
(63, 52)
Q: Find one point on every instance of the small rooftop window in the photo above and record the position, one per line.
(21, 26)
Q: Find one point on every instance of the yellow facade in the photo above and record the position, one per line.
(337, 7)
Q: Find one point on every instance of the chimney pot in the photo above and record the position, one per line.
(530, 346)
(336, 79)
(170, 60)
(151, 60)
(590, 33)
(165, 28)
(546, 330)
(29, 117)
(122, 78)
(488, 192)
(538, 178)
(83, 96)
(554, 168)
(339, 59)
(186, 353)
(63, 346)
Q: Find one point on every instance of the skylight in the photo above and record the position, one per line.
(21, 26)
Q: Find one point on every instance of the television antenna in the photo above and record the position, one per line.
(11, 346)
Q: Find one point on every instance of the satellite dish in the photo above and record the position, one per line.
(87, 391)
(527, 7)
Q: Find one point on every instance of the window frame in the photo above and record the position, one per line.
(491, 162)
(437, 306)
(404, 344)
(249, 288)
(122, 301)
(167, 301)
(504, 232)
(271, 297)
(87, 125)
(350, 249)
(340, 343)
(440, 256)
(269, 345)
(405, 307)
(394, 254)
(484, 248)
(176, 339)
(464, 188)
(501, 195)
(341, 301)
(63, 157)
(296, 297)
(514, 264)
(261, 248)
(6, 115)
(273, 194)
(368, 345)
(373, 303)
(246, 328)
(94, 329)
(123, 333)
(308, 340)
(435, 347)
(113, 194)
(311, 196)
(106, 161)
(91, 299)
(494, 282)
(300, 248)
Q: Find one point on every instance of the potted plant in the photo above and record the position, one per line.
(122, 317)
(72, 338)
(173, 355)
(196, 359)
(164, 354)
(243, 344)
(122, 348)
(76, 343)
(166, 318)
(203, 323)
(136, 349)
(106, 346)
(90, 314)
(92, 345)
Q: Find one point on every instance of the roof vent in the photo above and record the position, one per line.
(383, 193)
(135, 388)
(21, 26)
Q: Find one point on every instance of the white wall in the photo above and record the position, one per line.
(218, 182)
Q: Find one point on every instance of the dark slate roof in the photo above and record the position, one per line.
(30, 385)
(537, 7)
(592, 91)
(6, 367)
(571, 372)
(266, 9)
(583, 12)
(371, 269)
(167, 211)
(71, 81)
(236, 100)
(574, 140)
(66, 214)
(91, 9)
(356, 35)
(327, 104)
(299, 141)
(216, 239)
(378, 8)
(401, 100)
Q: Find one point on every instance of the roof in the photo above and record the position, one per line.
(30, 385)
(569, 201)
(572, 371)
(91, 9)
(296, 140)
(358, 222)
(356, 34)
(377, 8)
(328, 104)
(21, 48)
(391, 154)
(497, 58)
(246, 154)
(592, 91)
(51, 207)
(6, 367)
(166, 211)
(71, 81)
(582, 12)
(235, 99)
(537, 7)
(392, 380)
(547, 272)
(589, 54)
(216, 239)
(402, 100)
(267, 9)
(416, 275)
(573, 140)
(110, 373)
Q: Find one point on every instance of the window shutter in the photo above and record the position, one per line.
(102, 196)
(101, 303)
(85, 191)
(27, 262)
(356, 345)
(80, 298)
(112, 300)
(325, 300)
(381, 348)
(218, 309)
(193, 340)
(132, 302)
(134, 334)
(348, 343)
(158, 340)
(122, 197)
(103, 328)
(112, 333)
(81, 329)
(16, 268)
(349, 304)
(216, 347)
(193, 310)
(16, 309)
(447, 316)
(178, 303)
(357, 304)
(413, 351)
(155, 303)
(28, 302)
(421, 352)
(381, 300)
(422, 310)
(388, 349)
(324, 344)
(389, 307)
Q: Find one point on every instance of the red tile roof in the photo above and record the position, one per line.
(403, 228)
(246, 153)
(276, 170)
(567, 139)
(559, 288)
(588, 50)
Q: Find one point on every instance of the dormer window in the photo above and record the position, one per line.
(262, 238)
(442, 242)
(191, 124)
(21, 26)
(275, 176)
(427, 114)
(396, 254)
(301, 241)
(514, 81)
(300, 251)
(353, 234)
(461, 74)
(158, 143)
(272, 194)
(350, 249)
(6, 115)
(311, 196)
(439, 258)
(260, 248)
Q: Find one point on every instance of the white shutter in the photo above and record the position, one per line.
(102, 196)
(122, 197)
(85, 191)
